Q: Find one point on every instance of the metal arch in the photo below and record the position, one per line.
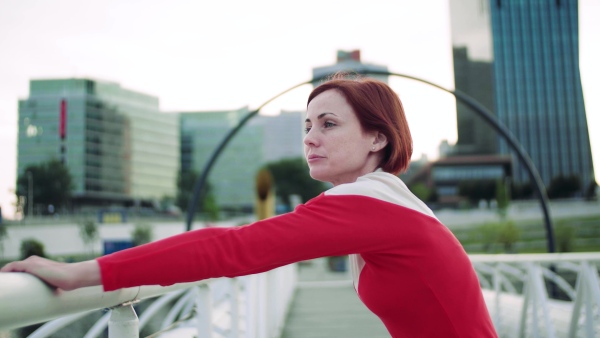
(199, 186)
(477, 107)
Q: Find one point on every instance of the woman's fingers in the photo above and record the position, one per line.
(66, 276)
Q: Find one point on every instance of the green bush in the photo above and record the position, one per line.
(89, 233)
(3, 236)
(31, 247)
(488, 235)
(502, 198)
(565, 237)
(142, 234)
(508, 235)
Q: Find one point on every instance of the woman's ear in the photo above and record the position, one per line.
(380, 141)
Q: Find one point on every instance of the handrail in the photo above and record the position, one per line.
(539, 258)
(515, 290)
(514, 286)
(21, 293)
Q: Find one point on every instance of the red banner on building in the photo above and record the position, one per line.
(63, 119)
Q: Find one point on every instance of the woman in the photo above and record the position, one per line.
(407, 267)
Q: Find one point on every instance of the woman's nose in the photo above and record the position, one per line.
(310, 139)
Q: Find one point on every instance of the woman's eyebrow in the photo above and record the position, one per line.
(320, 116)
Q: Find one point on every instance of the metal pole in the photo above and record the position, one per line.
(123, 322)
(30, 194)
(204, 311)
(234, 302)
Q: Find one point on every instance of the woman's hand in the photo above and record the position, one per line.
(65, 276)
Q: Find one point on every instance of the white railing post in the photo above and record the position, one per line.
(527, 295)
(587, 293)
(541, 298)
(579, 299)
(594, 290)
(496, 281)
(123, 322)
(204, 311)
(235, 308)
(251, 292)
(260, 317)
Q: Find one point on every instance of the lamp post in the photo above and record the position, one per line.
(29, 194)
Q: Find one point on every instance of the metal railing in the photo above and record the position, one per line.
(250, 306)
(528, 295)
(542, 295)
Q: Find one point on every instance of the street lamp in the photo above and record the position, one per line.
(29, 193)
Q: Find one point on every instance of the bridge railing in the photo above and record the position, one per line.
(528, 295)
(250, 306)
(542, 295)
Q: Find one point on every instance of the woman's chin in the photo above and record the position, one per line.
(318, 176)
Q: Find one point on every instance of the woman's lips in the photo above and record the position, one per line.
(313, 158)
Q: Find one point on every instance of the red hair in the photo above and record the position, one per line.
(378, 108)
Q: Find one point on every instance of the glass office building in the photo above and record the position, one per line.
(263, 139)
(116, 144)
(474, 78)
(533, 48)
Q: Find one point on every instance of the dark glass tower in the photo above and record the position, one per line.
(533, 49)
(474, 78)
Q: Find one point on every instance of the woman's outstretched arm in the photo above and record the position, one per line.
(65, 276)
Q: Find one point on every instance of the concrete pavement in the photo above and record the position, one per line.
(326, 305)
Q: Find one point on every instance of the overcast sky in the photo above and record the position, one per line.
(203, 55)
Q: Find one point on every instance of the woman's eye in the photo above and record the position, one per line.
(329, 124)
(306, 130)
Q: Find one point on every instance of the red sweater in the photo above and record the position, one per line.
(408, 267)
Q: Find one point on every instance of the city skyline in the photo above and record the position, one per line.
(172, 52)
(524, 68)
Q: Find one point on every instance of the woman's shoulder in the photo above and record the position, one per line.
(368, 184)
(382, 186)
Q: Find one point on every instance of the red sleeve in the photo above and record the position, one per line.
(325, 226)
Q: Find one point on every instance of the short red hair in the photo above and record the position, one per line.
(378, 108)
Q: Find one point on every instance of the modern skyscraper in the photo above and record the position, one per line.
(116, 144)
(263, 139)
(474, 78)
(532, 47)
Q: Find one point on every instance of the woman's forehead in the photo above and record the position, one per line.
(330, 102)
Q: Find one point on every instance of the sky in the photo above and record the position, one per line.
(212, 55)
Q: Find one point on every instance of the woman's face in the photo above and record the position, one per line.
(335, 146)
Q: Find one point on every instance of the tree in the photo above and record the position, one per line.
(590, 193)
(186, 181)
(52, 184)
(488, 235)
(185, 188)
(32, 247)
(292, 176)
(502, 198)
(141, 234)
(88, 231)
(3, 236)
(476, 190)
(521, 191)
(422, 192)
(508, 235)
(564, 186)
(565, 237)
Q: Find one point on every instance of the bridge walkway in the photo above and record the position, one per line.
(325, 305)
